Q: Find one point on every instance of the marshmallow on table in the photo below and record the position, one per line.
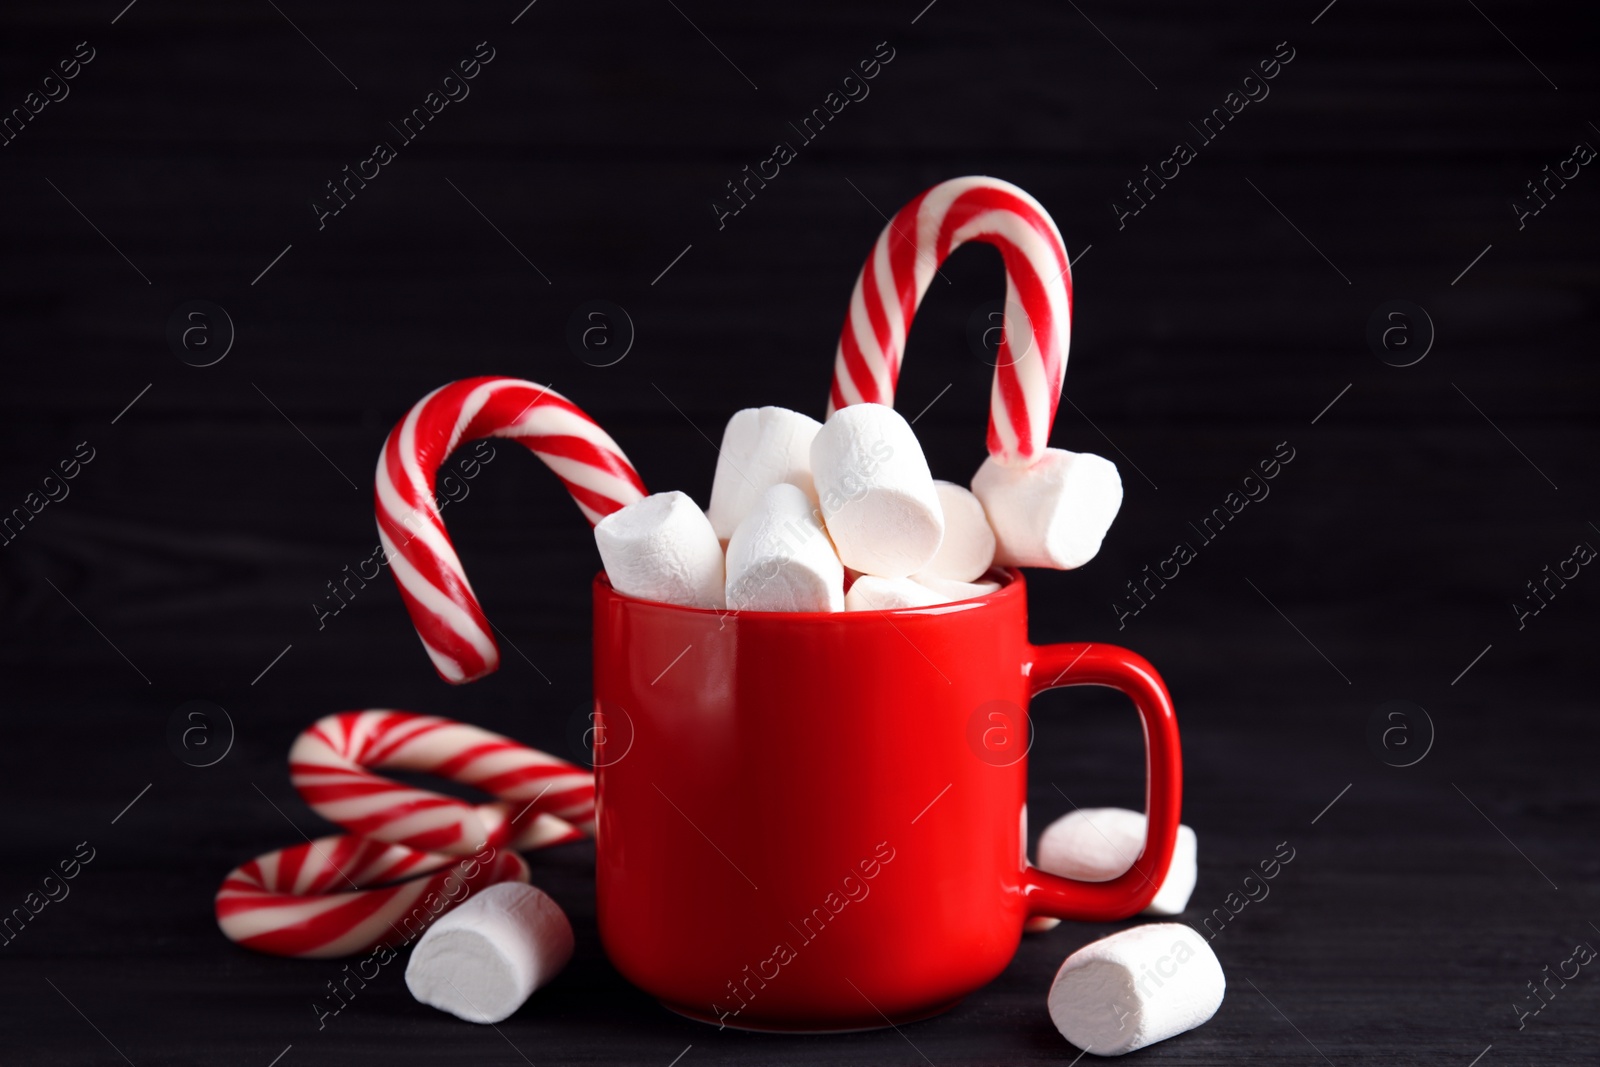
(1053, 513)
(662, 548)
(876, 492)
(1099, 844)
(780, 558)
(1134, 988)
(761, 447)
(967, 550)
(481, 961)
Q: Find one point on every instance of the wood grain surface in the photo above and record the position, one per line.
(1230, 314)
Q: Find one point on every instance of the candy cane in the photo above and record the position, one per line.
(1028, 378)
(1048, 507)
(332, 897)
(291, 902)
(329, 767)
(433, 585)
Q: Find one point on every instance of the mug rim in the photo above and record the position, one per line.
(1012, 586)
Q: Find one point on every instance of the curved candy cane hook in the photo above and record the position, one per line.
(433, 585)
(1048, 507)
(1031, 367)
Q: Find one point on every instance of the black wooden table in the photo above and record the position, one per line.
(1443, 859)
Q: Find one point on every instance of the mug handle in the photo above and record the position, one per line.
(1057, 666)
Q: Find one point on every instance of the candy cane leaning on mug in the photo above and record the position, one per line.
(432, 583)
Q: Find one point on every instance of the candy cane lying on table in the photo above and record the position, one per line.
(329, 767)
(312, 900)
(1049, 508)
(334, 897)
(433, 585)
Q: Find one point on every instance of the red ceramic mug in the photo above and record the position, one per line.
(815, 822)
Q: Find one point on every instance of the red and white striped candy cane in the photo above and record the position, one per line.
(312, 900)
(433, 585)
(1031, 367)
(542, 798)
(315, 900)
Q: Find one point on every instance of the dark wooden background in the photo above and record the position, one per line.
(191, 550)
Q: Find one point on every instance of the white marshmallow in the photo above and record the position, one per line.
(780, 558)
(948, 590)
(967, 550)
(760, 448)
(481, 961)
(662, 548)
(1098, 844)
(1052, 514)
(871, 593)
(876, 492)
(1134, 988)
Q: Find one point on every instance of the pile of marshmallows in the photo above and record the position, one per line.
(1143, 984)
(845, 516)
